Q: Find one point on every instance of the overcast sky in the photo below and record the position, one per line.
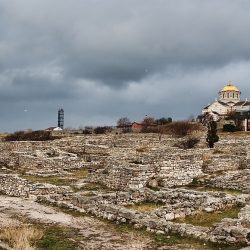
(105, 59)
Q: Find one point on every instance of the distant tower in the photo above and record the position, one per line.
(60, 118)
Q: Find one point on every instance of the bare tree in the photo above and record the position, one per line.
(148, 121)
(123, 122)
(182, 128)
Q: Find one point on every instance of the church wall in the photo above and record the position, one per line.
(219, 108)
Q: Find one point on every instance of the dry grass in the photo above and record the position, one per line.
(220, 151)
(79, 173)
(247, 225)
(142, 149)
(21, 238)
(2, 136)
(236, 134)
(206, 157)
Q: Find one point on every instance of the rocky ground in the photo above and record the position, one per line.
(130, 191)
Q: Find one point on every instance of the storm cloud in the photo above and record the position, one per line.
(101, 60)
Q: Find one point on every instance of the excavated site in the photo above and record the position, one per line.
(127, 191)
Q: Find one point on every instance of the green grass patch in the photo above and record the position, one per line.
(145, 207)
(58, 238)
(208, 219)
(185, 241)
(172, 239)
(93, 187)
(214, 189)
(55, 180)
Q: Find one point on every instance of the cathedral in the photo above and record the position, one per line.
(229, 102)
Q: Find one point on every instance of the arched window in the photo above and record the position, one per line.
(227, 95)
(233, 95)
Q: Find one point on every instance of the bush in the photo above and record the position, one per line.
(212, 136)
(127, 130)
(86, 132)
(182, 128)
(150, 129)
(39, 135)
(102, 130)
(188, 143)
(229, 128)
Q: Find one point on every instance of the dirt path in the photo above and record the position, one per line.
(98, 234)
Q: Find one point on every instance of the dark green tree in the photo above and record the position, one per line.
(163, 121)
(212, 136)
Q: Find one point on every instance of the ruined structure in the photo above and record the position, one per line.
(107, 175)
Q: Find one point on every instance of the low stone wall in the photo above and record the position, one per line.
(224, 163)
(14, 186)
(238, 180)
(110, 206)
(177, 202)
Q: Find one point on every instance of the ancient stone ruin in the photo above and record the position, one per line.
(111, 176)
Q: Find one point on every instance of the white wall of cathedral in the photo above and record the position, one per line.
(218, 108)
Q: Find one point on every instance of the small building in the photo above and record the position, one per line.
(137, 127)
(53, 129)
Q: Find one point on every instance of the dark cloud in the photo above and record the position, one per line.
(104, 59)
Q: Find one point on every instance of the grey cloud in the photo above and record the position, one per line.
(102, 59)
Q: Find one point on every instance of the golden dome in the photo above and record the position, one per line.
(230, 87)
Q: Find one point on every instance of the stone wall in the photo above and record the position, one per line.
(111, 206)
(15, 186)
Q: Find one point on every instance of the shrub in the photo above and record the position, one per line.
(150, 129)
(182, 128)
(188, 143)
(86, 132)
(102, 130)
(229, 128)
(39, 135)
(163, 121)
(212, 136)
